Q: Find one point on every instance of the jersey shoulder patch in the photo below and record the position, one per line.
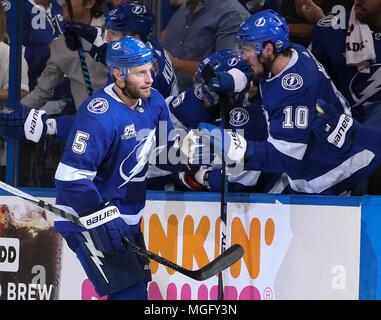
(98, 105)
(292, 81)
(327, 21)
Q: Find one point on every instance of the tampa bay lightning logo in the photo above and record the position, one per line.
(138, 9)
(366, 87)
(98, 105)
(137, 159)
(238, 117)
(198, 92)
(260, 22)
(232, 62)
(327, 21)
(116, 45)
(6, 5)
(292, 81)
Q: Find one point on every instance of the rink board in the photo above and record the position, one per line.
(296, 247)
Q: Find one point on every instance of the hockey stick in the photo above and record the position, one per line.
(40, 203)
(223, 261)
(81, 54)
(207, 74)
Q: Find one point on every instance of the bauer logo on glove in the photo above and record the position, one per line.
(337, 137)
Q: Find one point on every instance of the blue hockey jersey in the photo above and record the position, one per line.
(328, 44)
(188, 111)
(289, 100)
(39, 28)
(165, 78)
(107, 153)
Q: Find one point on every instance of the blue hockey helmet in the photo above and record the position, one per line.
(263, 26)
(131, 18)
(222, 61)
(127, 52)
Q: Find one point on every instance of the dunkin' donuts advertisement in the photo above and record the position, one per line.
(307, 251)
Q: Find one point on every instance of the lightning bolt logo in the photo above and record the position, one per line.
(141, 157)
(373, 88)
(95, 254)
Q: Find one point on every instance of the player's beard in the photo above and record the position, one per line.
(266, 67)
(136, 92)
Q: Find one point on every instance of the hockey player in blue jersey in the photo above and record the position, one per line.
(191, 108)
(291, 80)
(350, 51)
(104, 167)
(42, 23)
(134, 19)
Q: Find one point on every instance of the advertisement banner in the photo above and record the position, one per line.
(30, 252)
(291, 251)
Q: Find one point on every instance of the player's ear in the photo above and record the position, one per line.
(268, 49)
(117, 74)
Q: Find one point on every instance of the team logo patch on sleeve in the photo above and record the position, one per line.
(238, 117)
(98, 105)
(328, 21)
(292, 81)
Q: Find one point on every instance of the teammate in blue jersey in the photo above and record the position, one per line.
(291, 80)
(104, 167)
(42, 23)
(333, 42)
(134, 19)
(191, 108)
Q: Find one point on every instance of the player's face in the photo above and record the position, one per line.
(367, 10)
(253, 61)
(139, 81)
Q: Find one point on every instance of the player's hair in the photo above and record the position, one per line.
(287, 52)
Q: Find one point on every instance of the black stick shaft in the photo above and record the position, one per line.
(207, 74)
(85, 69)
(214, 267)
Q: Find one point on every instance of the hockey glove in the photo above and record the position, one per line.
(202, 145)
(107, 228)
(195, 180)
(233, 80)
(93, 35)
(211, 96)
(223, 142)
(332, 126)
(21, 122)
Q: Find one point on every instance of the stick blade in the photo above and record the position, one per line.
(222, 262)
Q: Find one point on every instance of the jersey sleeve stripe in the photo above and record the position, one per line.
(68, 173)
(343, 171)
(292, 149)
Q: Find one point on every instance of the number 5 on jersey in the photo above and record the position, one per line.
(79, 143)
